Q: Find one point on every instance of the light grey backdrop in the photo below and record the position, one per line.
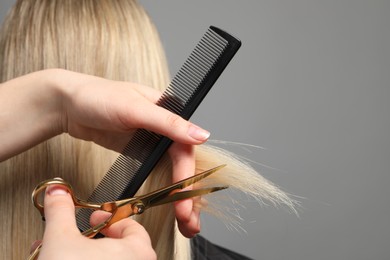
(310, 84)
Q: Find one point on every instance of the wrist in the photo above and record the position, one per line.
(51, 100)
(63, 84)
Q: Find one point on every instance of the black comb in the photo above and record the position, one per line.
(186, 91)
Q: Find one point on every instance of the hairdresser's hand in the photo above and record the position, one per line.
(108, 111)
(40, 105)
(125, 239)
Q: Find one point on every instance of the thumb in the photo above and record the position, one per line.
(59, 211)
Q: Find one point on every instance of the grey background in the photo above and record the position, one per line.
(311, 85)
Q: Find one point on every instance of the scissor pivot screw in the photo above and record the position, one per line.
(139, 208)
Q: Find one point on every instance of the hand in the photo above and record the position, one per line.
(108, 112)
(40, 105)
(124, 108)
(125, 239)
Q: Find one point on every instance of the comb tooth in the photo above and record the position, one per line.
(183, 82)
(208, 59)
(199, 63)
(199, 68)
(216, 44)
(219, 39)
(175, 106)
(213, 43)
(214, 49)
(198, 71)
(183, 79)
(187, 89)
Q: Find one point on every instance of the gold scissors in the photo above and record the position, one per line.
(128, 207)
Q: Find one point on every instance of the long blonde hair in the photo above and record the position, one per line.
(114, 40)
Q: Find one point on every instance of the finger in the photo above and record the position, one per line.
(133, 235)
(123, 228)
(192, 226)
(98, 217)
(120, 229)
(164, 122)
(126, 228)
(59, 211)
(149, 93)
(183, 166)
(183, 162)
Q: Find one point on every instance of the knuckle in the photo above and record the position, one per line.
(58, 203)
(174, 120)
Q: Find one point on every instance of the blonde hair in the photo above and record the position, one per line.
(111, 39)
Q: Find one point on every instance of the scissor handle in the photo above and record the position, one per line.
(58, 181)
(127, 207)
(41, 187)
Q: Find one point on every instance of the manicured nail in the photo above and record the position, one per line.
(198, 133)
(55, 190)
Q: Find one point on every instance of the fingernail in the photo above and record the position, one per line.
(198, 133)
(55, 190)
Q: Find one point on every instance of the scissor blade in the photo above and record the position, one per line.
(186, 195)
(191, 180)
(160, 194)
